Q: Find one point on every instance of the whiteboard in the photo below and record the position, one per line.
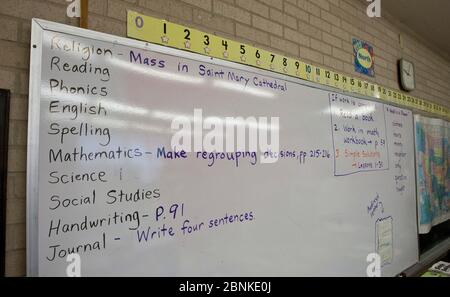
(104, 181)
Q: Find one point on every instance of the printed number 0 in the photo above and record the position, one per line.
(139, 22)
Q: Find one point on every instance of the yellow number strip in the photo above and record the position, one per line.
(173, 35)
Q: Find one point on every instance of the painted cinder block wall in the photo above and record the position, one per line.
(318, 32)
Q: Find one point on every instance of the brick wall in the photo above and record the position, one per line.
(318, 32)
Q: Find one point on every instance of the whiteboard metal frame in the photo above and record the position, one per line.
(37, 32)
(32, 244)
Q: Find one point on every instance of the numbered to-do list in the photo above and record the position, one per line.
(359, 135)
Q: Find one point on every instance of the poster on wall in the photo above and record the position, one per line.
(364, 57)
(433, 171)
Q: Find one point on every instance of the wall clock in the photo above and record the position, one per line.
(407, 75)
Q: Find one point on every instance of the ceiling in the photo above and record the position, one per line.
(429, 19)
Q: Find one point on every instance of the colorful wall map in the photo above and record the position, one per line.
(433, 171)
